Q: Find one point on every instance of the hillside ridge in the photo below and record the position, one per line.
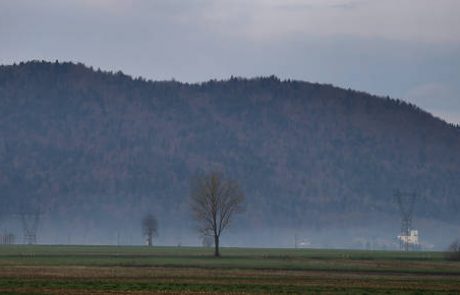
(79, 141)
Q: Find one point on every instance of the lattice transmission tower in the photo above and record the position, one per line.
(406, 202)
(30, 222)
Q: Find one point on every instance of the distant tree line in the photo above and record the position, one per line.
(306, 153)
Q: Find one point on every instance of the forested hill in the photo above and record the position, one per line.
(80, 142)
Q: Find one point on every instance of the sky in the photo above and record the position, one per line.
(407, 49)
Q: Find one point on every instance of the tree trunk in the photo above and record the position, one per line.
(150, 240)
(216, 246)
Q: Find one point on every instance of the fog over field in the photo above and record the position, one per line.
(337, 119)
(88, 153)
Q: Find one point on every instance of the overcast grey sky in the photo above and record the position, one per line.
(408, 49)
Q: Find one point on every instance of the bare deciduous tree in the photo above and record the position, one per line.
(149, 228)
(214, 202)
(453, 252)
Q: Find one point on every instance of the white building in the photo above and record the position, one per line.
(411, 240)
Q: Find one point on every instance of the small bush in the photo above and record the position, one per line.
(453, 252)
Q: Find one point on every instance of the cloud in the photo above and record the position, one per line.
(295, 5)
(409, 20)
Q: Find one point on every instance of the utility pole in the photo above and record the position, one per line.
(406, 203)
(30, 222)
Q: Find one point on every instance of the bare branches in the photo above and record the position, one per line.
(214, 202)
(149, 228)
(453, 252)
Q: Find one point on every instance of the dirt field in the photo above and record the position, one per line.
(139, 270)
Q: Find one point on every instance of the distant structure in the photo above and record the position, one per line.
(303, 243)
(408, 239)
(30, 222)
(7, 239)
(411, 240)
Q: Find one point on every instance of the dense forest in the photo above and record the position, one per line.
(81, 142)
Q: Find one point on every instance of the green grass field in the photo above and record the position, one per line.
(142, 270)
